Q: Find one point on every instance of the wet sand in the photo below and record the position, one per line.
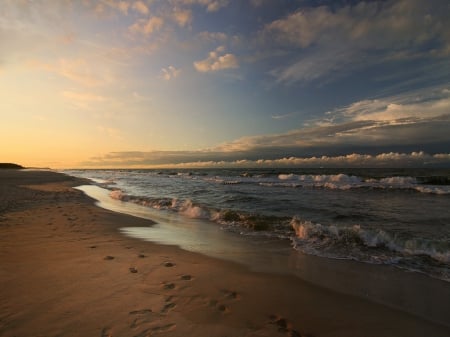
(65, 270)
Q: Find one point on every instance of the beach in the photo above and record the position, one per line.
(66, 270)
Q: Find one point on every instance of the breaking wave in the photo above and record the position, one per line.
(372, 246)
(331, 241)
(433, 185)
(225, 217)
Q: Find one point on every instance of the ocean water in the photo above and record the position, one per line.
(397, 217)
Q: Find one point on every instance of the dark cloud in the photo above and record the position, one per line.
(337, 140)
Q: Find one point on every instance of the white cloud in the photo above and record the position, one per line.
(147, 26)
(140, 7)
(414, 106)
(170, 73)
(217, 60)
(171, 159)
(182, 17)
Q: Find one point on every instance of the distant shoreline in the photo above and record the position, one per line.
(11, 166)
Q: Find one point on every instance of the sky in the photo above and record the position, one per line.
(236, 83)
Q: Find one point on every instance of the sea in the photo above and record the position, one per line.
(395, 217)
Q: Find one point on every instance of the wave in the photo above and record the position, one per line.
(331, 241)
(347, 182)
(430, 183)
(372, 246)
(224, 217)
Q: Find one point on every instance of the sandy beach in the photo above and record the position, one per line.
(65, 270)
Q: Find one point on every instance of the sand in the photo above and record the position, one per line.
(65, 270)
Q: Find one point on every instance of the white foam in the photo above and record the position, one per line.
(286, 176)
(398, 181)
(189, 210)
(117, 194)
(317, 239)
(347, 182)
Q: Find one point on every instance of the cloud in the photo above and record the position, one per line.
(140, 98)
(217, 60)
(121, 6)
(282, 116)
(82, 100)
(82, 96)
(140, 7)
(258, 3)
(213, 36)
(147, 26)
(390, 159)
(211, 5)
(410, 122)
(322, 39)
(173, 159)
(183, 17)
(367, 25)
(78, 70)
(409, 129)
(109, 132)
(313, 66)
(411, 107)
(170, 73)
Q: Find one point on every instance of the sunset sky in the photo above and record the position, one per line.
(112, 83)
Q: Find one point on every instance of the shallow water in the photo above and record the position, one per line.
(395, 217)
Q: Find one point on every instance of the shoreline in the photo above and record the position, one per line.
(412, 292)
(66, 270)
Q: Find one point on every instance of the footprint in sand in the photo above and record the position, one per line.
(186, 277)
(108, 257)
(141, 317)
(284, 326)
(156, 329)
(219, 306)
(140, 312)
(164, 328)
(167, 307)
(223, 308)
(169, 264)
(232, 295)
(133, 270)
(106, 332)
(169, 286)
